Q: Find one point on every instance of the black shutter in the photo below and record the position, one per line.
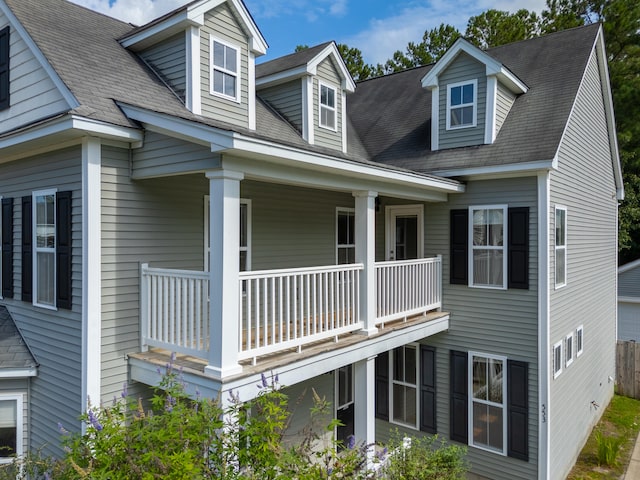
(63, 249)
(382, 386)
(458, 272)
(459, 406)
(27, 253)
(7, 248)
(518, 410)
(518, 248)
(427, 389)
(4, 68)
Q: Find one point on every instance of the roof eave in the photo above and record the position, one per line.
(18, 372)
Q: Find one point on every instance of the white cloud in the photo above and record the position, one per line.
(309, 9)
(137, 12)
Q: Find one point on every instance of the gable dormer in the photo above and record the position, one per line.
(309, 89)
(472, 94)
(205, 52)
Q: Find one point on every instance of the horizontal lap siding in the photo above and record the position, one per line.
(461, 69)
(222, 24)
(33, 95)
(629, 321)
(169, 59)
(157, 221)
(504, 102)
(287, 100)
(629, 283)
(584, 184)
(55, 337)
(502, 322)
(328, 74)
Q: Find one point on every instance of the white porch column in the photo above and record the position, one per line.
(365, 253)
(365, 421)
(224, 266)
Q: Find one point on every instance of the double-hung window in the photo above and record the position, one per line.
(11, 435)
(487, 256)
(557, 359)
(568, 350)
(225, 65)
(561, 246)
(404, 386)
(461, 104)
(488, 387)
(345, 233)
(327, 106)
(44, 262)
(579, 340)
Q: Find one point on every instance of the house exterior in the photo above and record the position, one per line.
(434, 250)
(629, 301)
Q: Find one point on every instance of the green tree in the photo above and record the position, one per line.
(497, 27)
(358, 68)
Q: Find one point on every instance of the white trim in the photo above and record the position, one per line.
(490, 172)
(18, 372)
(91, 271)
(243, 201)
(307, 110)
(391, 212)
(557, 247)
(628, 299)
(247, 248)
(557, 367)
(472, 399)
(193, 93)
(333, 108)
(579, 344)
(341, 406)
(235, 74)
(416, 385)
(568, 340)
(435, 118)
(629, 266)
(343, 106)
(48, 250)
(251, 107)
(490, 115)
(544, 376)
(19, 399)
(503, 247)
(473, 104)
(340, 210)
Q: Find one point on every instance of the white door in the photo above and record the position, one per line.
(404, 232)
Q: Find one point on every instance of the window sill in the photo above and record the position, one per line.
(225, 97)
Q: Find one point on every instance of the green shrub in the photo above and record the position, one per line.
(608, 449)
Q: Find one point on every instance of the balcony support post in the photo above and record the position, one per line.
(365, 220)
(224, 266)
(364, 396)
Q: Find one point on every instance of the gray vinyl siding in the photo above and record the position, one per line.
(33, 94)
(500, 322)
(287, 100)
(222, 23)
(159, 221)
(164, 155)
(169, 60)
(629, 321)
(504, 102)
(583, 183)
(55, 337)
(629, 283)
(461, 69)
(327, 74)
(19, 386)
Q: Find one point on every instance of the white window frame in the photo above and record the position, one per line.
(333, 109)
(244, 201)
(393, 382)
(557, 364)
(579, 340)
(213, 68)
(473, 104)
(351, 401)
(557, 248)
(503, 248)
(339, 211)
(19, 399)
(569, 349)
(502, 405)
(50, 250)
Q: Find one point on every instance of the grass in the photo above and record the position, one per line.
(621, 419)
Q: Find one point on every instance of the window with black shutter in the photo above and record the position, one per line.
(7, 248)
(4, 68)
(518, 410)
(428, 389)
(518, 248)
(63, 250)
(27, 250)
(459, 413)
(458, 273)
(382, 386)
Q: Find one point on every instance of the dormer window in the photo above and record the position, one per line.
(225, 63)
(327, 107)
(461, 104)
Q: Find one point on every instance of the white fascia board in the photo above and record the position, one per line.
(102, 129)
(347, 82)
(71, 100)
(497, 170)
(629, 266)
(257, 43)
(18, 372)
(161, 30)
(282, 77)
(628, 299)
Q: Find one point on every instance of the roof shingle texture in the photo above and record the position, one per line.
(14, 352)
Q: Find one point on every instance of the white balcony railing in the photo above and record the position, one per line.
(407, 287)
(282, 309)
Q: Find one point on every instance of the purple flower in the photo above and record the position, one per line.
(264, 380)
(62, 430)
(351, 442)
(94, 421)
(125, 392)
(276, 379)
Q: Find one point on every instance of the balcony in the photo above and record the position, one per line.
(285, 309)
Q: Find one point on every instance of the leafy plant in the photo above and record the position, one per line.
(608, 449)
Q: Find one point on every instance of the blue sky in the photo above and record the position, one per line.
(377, 27)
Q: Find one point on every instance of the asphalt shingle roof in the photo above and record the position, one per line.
(293, 60)
(14, 352)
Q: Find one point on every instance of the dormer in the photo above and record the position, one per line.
(309, 89)
(471, 95)
(205, 52)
